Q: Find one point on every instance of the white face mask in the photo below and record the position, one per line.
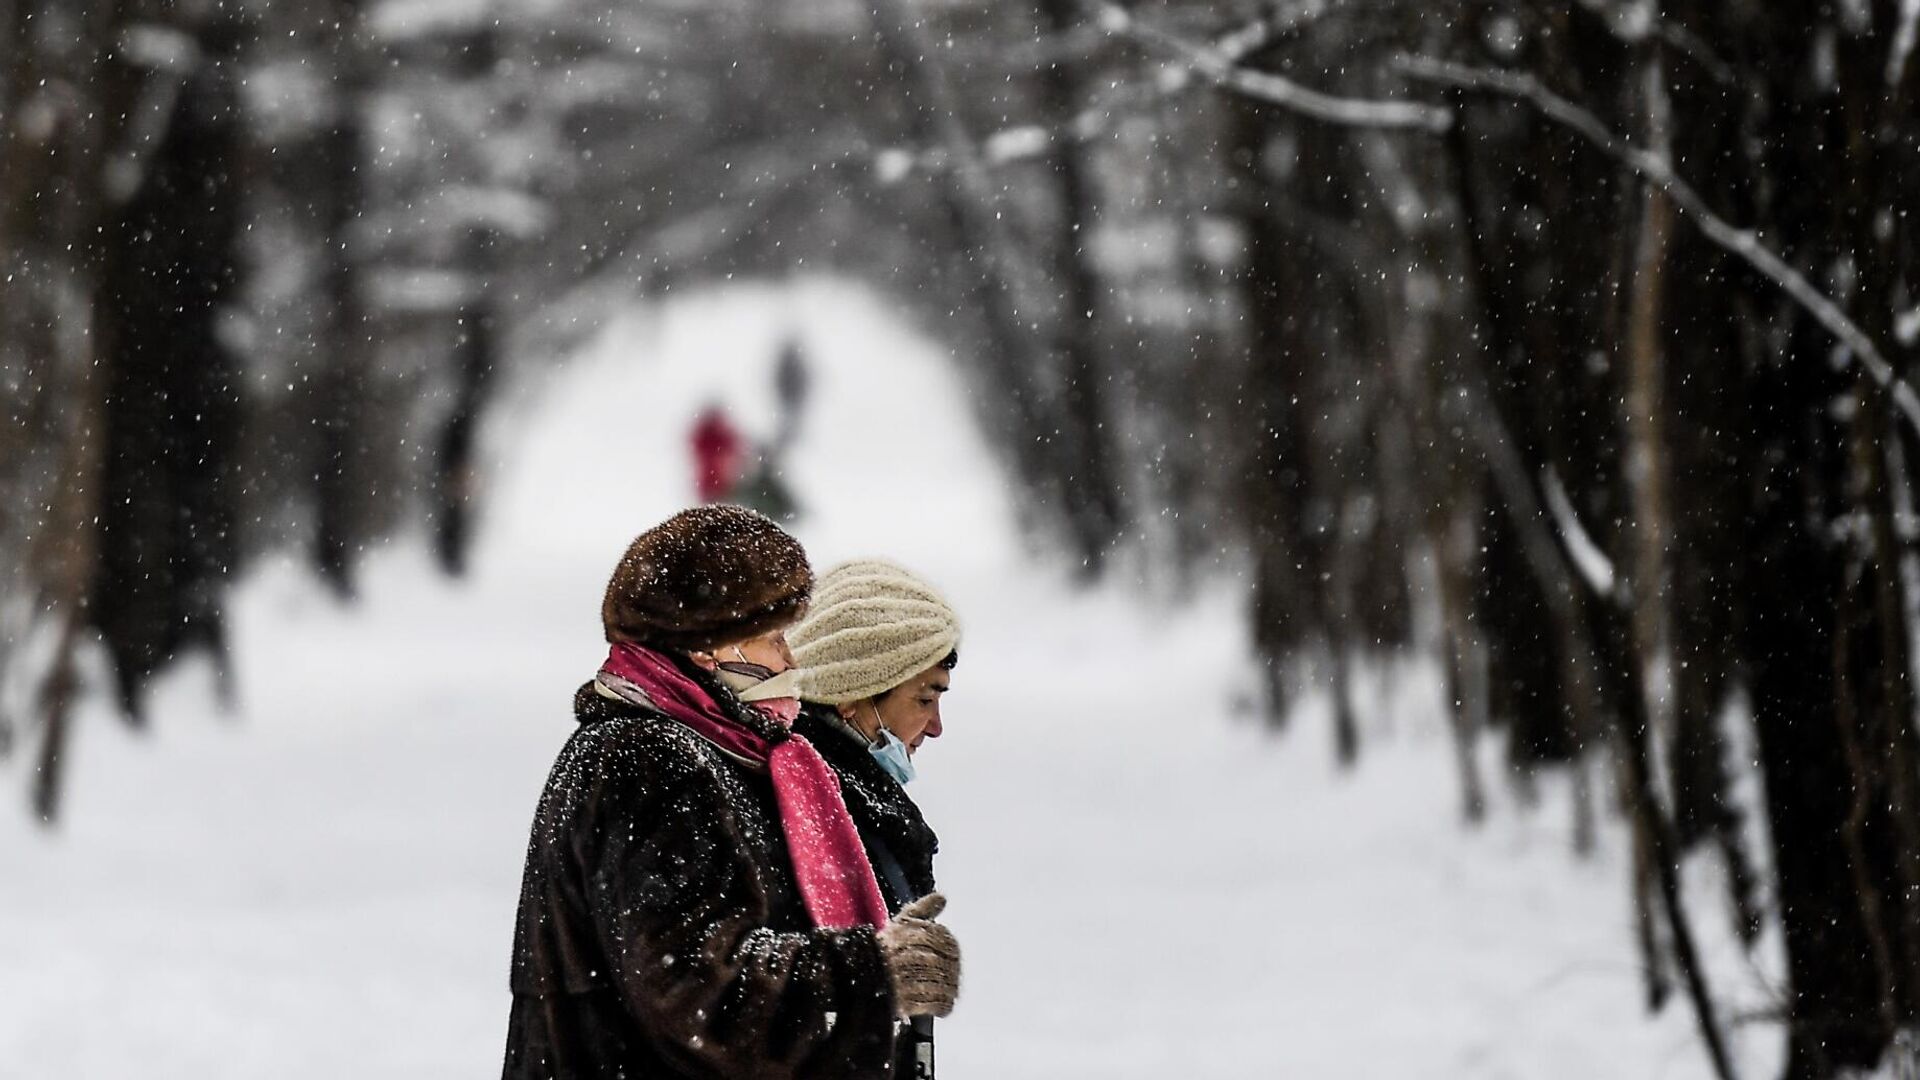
(784, 685)
(756, 683)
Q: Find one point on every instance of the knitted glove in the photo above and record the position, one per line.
(923, 959)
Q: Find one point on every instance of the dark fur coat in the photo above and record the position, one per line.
(660, 933)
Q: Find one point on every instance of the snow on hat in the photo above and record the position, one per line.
(872, 626)
(705, 577)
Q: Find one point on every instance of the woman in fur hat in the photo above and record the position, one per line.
(697, 901)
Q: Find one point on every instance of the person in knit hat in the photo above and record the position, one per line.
(874, 628)
(875, 655)
(697, 900)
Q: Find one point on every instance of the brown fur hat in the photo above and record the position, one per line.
(705, 577)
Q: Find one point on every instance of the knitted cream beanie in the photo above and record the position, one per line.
(872, 626)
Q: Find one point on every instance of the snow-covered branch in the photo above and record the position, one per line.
(1582, 551)
(1221, 67)
(1029, 142)
(1009, 145)
(1658, 170)
(1545, 550)
(1904, 38)
(167, 58)
(1236, 45)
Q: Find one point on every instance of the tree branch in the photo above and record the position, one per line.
(1219, 65)
(1657, 170)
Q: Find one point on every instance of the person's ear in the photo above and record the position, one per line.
(847, 710)
(703, 660)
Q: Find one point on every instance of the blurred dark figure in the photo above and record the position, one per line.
(791, 383)
(764, 487)
(719, 455)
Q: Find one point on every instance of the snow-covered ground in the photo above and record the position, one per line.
(1146, 885)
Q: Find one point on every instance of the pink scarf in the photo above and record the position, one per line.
(829, 864)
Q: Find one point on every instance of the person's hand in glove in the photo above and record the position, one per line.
(923, 959)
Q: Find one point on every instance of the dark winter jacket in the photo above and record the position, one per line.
(899, 843)
(660, 933)
(890, 824)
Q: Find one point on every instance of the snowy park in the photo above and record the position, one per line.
(1147, 883)
(832, 540)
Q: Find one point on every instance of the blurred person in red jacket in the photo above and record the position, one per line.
(719, 454)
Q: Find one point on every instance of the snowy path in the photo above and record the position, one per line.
(1146, 886)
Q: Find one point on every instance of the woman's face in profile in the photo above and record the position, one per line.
(912, 710)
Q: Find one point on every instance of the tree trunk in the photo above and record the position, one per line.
(347, 347)
(1276, 476)
(1094, 498)
(1837, 1018)
(456, 470)
(167, 515)
(60, 229)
